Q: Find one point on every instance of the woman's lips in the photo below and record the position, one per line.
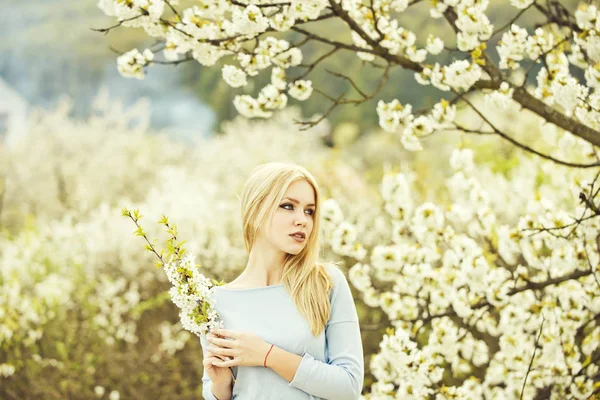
(297, 238)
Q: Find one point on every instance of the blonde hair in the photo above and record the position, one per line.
(303, 276)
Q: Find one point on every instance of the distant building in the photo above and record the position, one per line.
(13, 114)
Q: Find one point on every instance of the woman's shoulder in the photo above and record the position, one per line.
(337, 276)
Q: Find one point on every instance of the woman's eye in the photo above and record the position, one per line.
(291, 207)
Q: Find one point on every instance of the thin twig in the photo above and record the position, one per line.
(513, 20)
(535, 346)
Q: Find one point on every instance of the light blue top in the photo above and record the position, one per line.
(332, 365)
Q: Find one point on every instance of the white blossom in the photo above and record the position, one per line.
(99, 391)
(6, 370)
(461, 74)
(512, 47)
(392, 114)
(132, 63)
(502, 97)
(435, 45)
(521, 3)
(234, 76)
(300, 89)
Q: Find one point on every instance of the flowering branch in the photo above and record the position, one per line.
(535, 347)
(559, 98)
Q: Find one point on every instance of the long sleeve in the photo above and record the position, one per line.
(206, 382)
(341, 376)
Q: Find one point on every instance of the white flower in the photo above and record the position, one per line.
(300, 89)
(272, 98)
(249, 20)
(462, 74)
(521, 3)
(462, 160)
(466, 41)
(278, 76)
(586, 15)
(541, 42)
(434, 45)
(591, 44)
(473, 23)
(132, 63)
(282, 21)
(305, 10)
(577, 58)
(568, 93)
(126, 10)
(512, 47)
(289, 58)
(331, 213)
(114, 395)
(438, 10)
(207, 54)
(411, 142)
(443, 113)
(592, 76)
(99, 391)
(249, 107)
(399, 5)
(7, 370)
(502, 97)
(392, 114)
(234, 76)
(582, 387)
(420, 126)
(436, 77)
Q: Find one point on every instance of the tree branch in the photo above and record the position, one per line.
(535, 347)
(516, 143)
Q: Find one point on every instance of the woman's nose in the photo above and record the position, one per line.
(301, 219)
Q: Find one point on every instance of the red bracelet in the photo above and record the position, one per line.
(265, 363)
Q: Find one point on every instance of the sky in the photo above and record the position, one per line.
(48, 49)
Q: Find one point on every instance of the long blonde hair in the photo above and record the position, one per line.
(303, 276)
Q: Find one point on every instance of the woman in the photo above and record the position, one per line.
(292, 327)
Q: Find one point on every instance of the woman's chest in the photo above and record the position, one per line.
(277, 321)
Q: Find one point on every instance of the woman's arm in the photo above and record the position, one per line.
(341, 376)
(284, 363)
(211, 390)
(221, 392)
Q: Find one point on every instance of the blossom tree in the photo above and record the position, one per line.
(563, 50)
(479, 307)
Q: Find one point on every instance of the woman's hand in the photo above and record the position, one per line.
(218, 375)
(242, 348)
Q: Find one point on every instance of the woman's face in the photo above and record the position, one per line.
(294, 214)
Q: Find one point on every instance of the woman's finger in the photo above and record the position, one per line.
(223, 364)
(222, 342)
(221, 351)
(212, 361)
(210, 354)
